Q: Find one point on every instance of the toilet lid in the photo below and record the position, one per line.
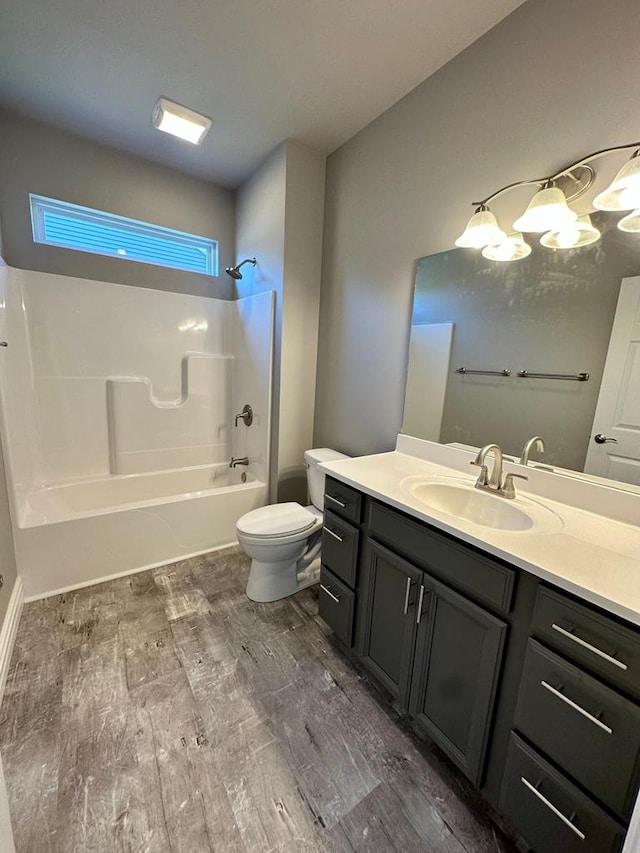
(276, 520)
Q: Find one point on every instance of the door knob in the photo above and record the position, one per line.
(602, 439)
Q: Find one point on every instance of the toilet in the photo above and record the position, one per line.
(283, 540)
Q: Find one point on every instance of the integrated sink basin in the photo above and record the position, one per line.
(460, 498)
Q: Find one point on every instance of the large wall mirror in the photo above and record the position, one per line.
(560, 312)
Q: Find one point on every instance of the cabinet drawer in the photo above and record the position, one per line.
(587, 728)
(340, 548)
(336, 606)
(342, 500)
(484, 579)
(598, 642)
(550, 813)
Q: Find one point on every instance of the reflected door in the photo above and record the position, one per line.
(614, 448)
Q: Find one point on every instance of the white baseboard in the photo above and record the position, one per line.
(9, 630)
(135, 571)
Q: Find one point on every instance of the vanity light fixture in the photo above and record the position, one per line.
(549, 211)
(512, 248)
(573, 235)
(180, 121)
(630, 222)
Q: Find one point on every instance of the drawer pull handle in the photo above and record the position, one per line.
(331, 533)
(420, 600)
(330, 594)
(576, 707)
(336, 501)
(406, 596)
(556, 811)
(588, 646)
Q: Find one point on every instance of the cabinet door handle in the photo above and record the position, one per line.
(576, 707)
(420, 600)
(556, 811)
(331, 533)
(330, 594)
(406, 596)
(588, 646)
(336, 501)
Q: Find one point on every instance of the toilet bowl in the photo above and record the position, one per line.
(283, 540)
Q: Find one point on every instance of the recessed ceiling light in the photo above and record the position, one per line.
(180, 121)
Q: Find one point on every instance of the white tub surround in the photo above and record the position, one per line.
(120, 407)
(594, 554)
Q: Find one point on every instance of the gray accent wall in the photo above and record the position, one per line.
(552, 82)
(37, 158)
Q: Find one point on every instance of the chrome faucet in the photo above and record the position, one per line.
(494, 482)
(238, 460)
(538, 442)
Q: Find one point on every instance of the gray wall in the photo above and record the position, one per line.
(37, 158)
(553, 81)
(280, 214)
(551, 312)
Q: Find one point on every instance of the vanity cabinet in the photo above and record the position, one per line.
(534, 694)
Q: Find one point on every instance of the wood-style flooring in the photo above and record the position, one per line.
(164, 712)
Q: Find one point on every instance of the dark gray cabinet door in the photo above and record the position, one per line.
(387, 618)
(457, 663)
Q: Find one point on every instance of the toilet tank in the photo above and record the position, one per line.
(315, 477)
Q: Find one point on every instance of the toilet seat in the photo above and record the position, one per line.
(276, 521)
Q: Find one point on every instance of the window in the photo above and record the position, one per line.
(59, 223)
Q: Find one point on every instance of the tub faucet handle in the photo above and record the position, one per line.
(245, 415)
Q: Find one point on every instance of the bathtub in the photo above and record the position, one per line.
(81, 533)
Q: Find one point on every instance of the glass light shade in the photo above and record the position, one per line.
(571, 236)
(630, 222)
(482, 229)
(623, 193)
(511, 248)
(547, 211)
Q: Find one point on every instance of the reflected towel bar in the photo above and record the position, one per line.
(505, 372)
(576, 377)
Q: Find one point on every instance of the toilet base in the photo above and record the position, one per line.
(273, 581)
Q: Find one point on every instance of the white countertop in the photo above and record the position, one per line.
(590, 555)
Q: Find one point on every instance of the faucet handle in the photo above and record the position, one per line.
(508, 489)
(483, 476)
(246, 415)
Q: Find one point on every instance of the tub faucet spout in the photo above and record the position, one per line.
(238, 460)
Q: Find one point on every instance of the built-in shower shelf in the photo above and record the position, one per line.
(149, 434)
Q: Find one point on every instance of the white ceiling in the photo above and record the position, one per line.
(265, 70)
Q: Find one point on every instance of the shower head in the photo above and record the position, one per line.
(234, 272)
